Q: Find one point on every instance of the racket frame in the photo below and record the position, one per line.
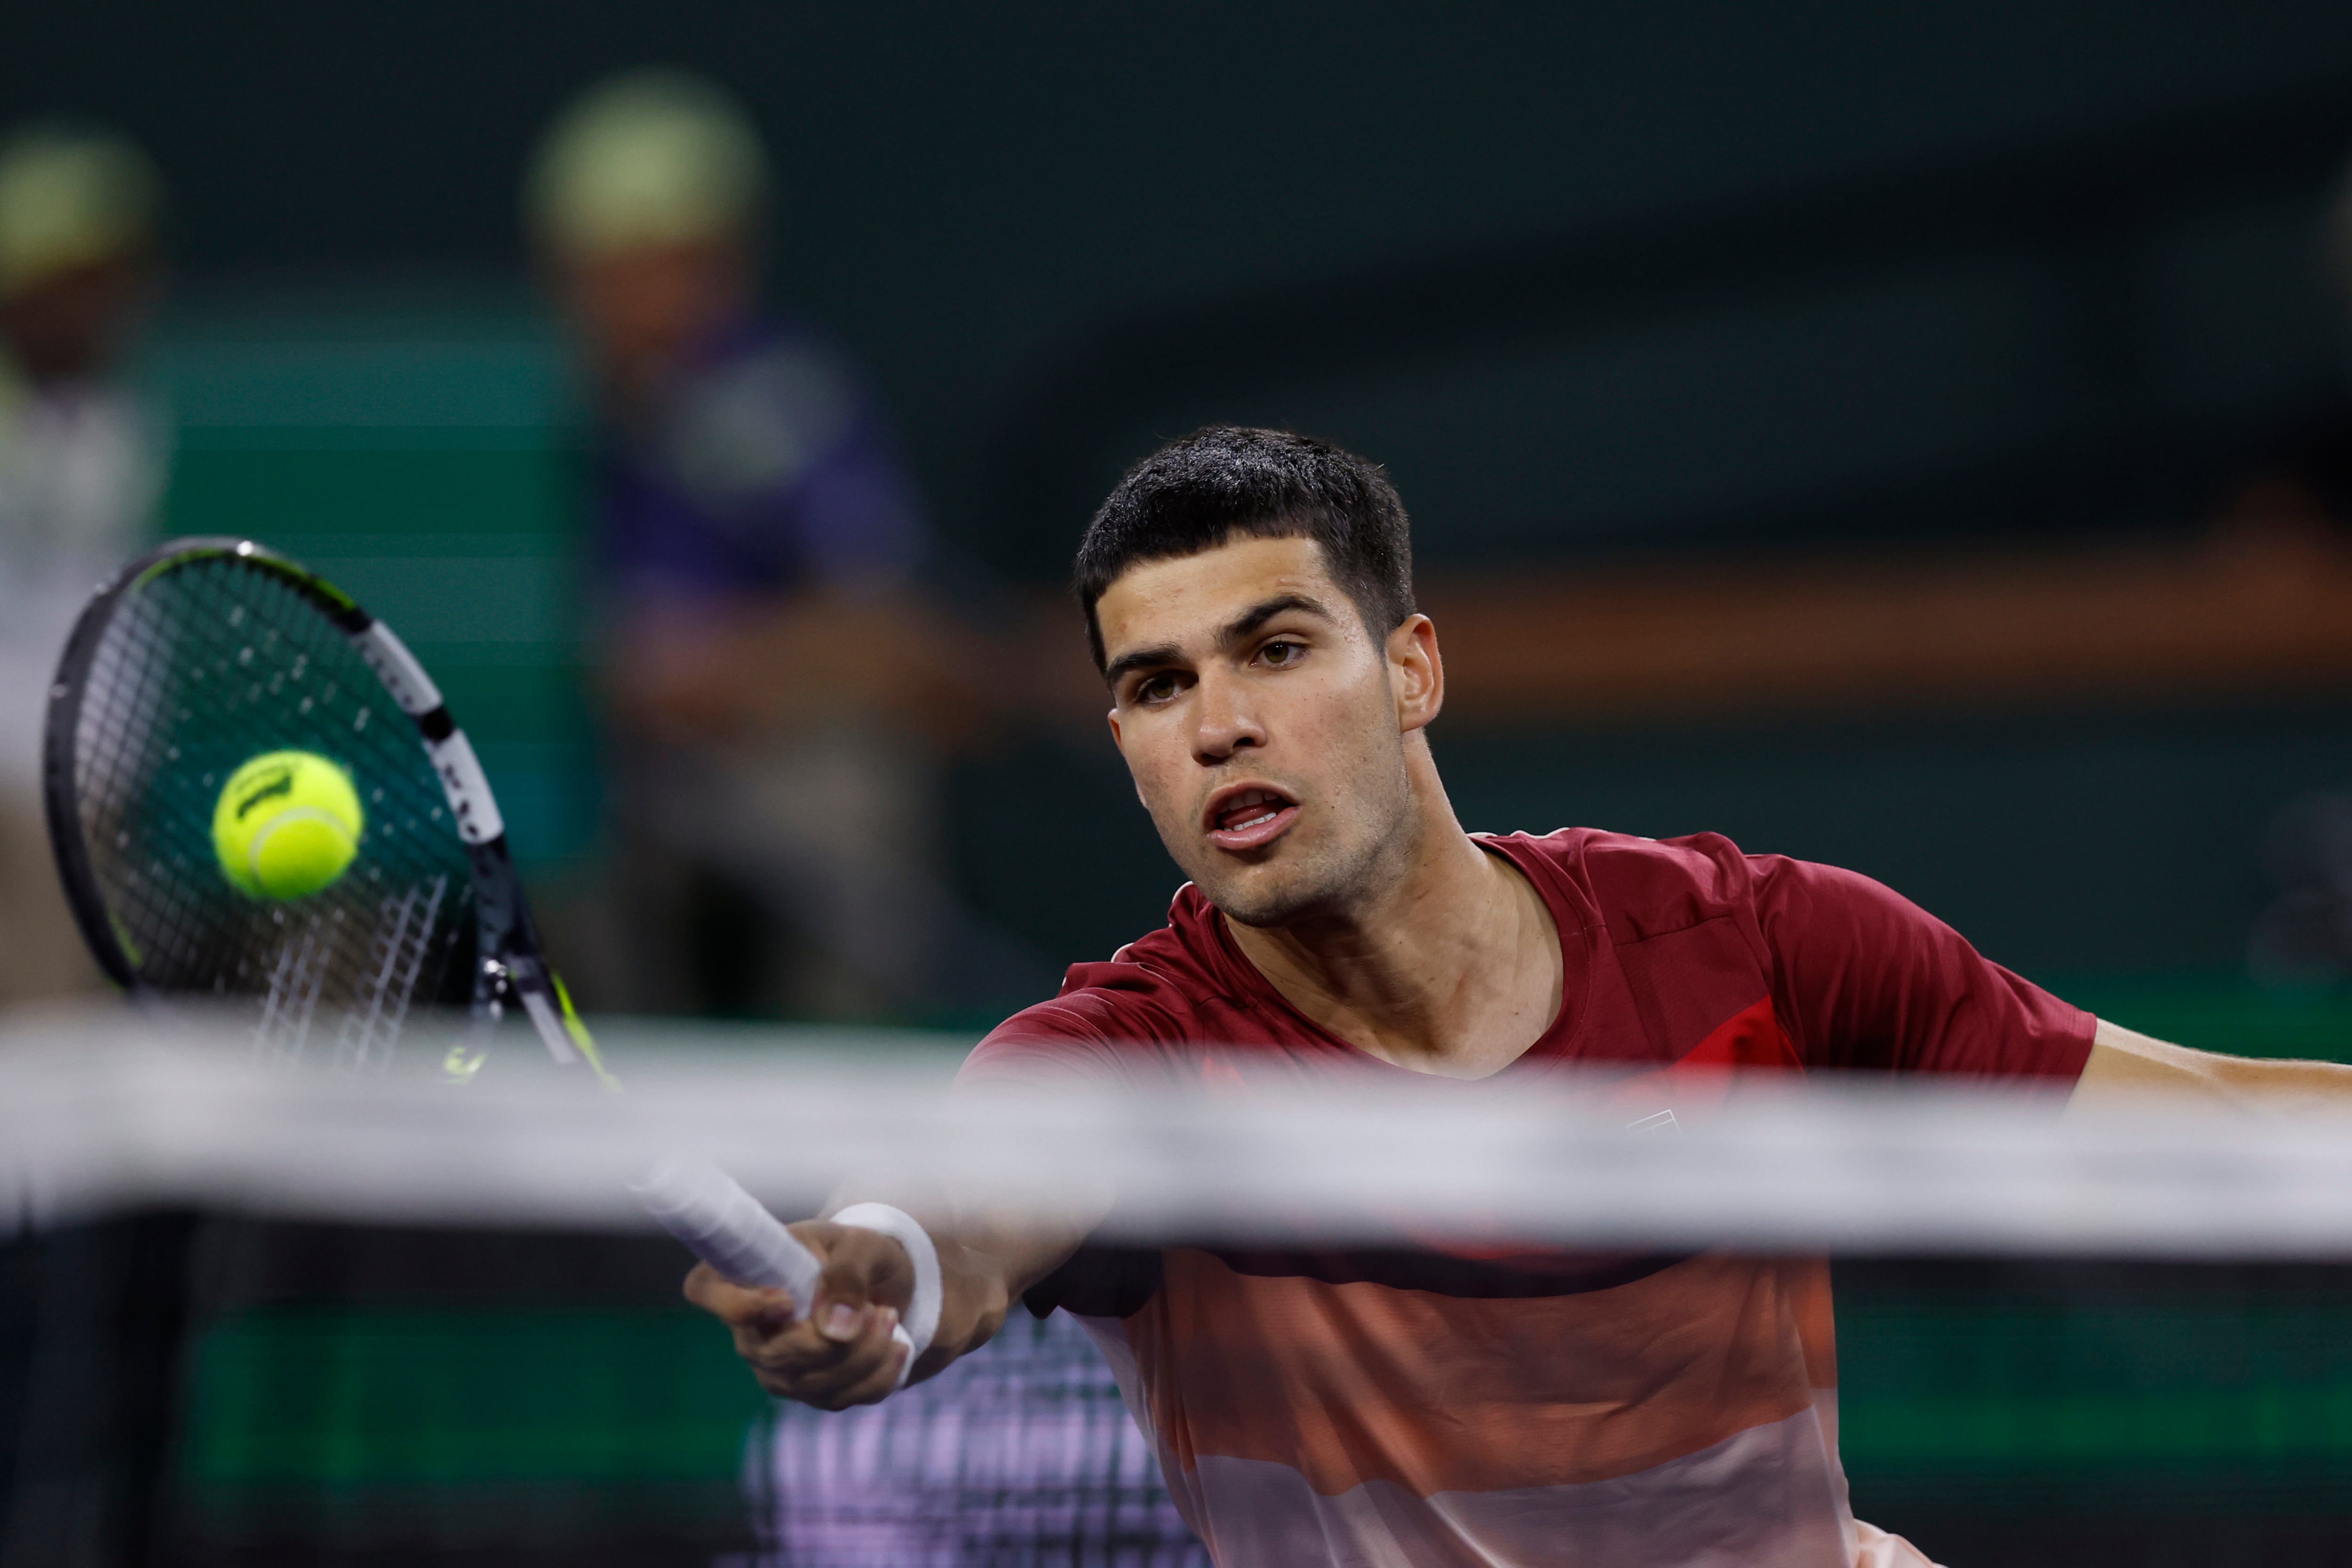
(511, 966)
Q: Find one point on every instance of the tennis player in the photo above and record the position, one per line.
(1249, 598)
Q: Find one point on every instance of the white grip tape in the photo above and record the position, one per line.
(398, 669)
(725, 1226)
(467, 788)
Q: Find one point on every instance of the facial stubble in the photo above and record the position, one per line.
(1364, 834)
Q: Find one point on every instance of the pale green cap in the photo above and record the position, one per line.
(652, 157)
(70, 195)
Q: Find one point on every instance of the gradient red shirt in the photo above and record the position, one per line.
(1342, 1408)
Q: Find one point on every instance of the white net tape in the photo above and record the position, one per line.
(100, 1114)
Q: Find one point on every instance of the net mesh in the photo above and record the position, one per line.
(201, 667)
(1021, 1455)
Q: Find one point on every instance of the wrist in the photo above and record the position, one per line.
(920, 1321)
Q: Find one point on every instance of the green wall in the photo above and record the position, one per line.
(417, 453)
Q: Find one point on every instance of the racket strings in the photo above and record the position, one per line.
(199, 669)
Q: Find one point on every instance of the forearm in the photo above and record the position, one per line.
(2126, 1065)
(983, 1274)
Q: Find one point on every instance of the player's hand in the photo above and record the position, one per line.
(841, 1352)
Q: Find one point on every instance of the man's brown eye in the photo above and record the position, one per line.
(1280, 652)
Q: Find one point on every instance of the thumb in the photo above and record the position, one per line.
(842, 1307)
(855, 1281)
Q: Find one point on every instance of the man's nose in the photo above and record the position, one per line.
(1224, 720)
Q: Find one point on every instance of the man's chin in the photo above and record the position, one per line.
(1264, 902)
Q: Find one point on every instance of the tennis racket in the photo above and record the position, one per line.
(207, 654)
(200, 657)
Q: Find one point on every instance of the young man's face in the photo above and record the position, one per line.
(1266, 728)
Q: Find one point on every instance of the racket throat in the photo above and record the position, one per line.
(524, 979)
(542, 1011)
(519, 981)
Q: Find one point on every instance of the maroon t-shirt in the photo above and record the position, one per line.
(1442, 1404)
(1676, 950)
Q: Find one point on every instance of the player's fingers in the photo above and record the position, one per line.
(863, 1271)
(844, 1351)
(883, 1360)
(762, 1340)
(802, 1355)
(860, 1373)
(762, 1309)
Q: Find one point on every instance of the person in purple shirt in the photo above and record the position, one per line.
(775, 838)
(766, 469)
(775, 681)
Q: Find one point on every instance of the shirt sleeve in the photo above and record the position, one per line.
(1062, 1044)
(1865, 979)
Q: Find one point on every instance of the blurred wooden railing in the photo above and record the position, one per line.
(2251, 612)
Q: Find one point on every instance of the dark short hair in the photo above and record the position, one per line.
(1200, 491)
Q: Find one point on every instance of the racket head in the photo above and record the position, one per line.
(197, 658)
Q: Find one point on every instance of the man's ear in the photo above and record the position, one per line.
(1416, 672)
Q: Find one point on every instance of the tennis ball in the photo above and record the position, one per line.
(286, 825)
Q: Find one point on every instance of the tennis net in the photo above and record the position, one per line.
(428, 1323)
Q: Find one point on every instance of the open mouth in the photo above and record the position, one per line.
(1250, 816)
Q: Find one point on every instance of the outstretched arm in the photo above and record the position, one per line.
(2125, 1063)
(841, 1353)
(991, 1247)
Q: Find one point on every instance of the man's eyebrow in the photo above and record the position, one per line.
(1241, 627)
(1257, 614)
(1141, 659)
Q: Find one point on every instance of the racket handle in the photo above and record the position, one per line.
(725, 1226)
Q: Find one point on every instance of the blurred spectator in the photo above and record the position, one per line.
(778, 691)
(777, 686)
(81, 466)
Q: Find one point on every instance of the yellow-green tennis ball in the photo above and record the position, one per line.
(286, 825)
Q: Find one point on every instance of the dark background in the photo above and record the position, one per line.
(1678, 280)
(1572, 272)
(1588, 279)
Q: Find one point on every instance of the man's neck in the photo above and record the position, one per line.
(1453, 968)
